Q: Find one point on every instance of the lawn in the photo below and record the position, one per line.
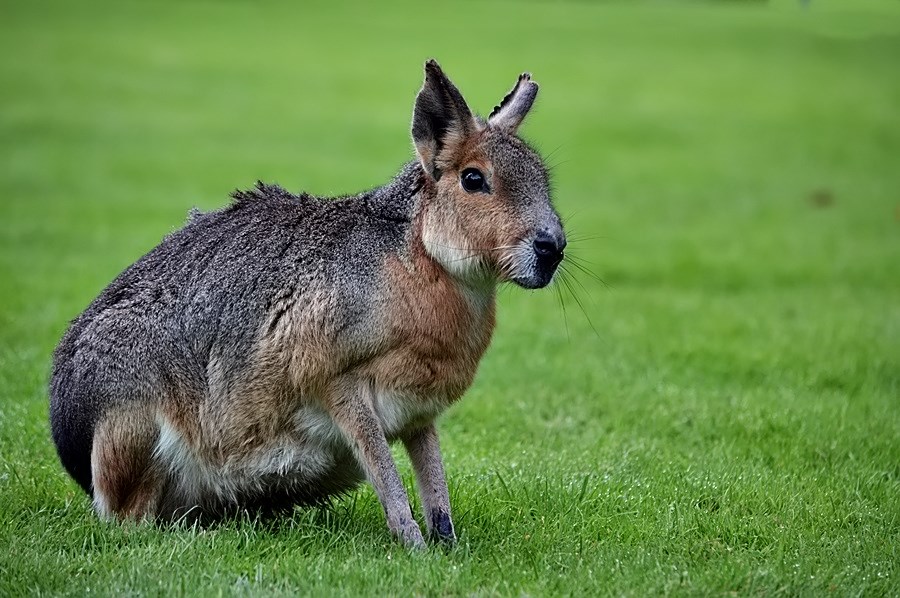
(719, 415)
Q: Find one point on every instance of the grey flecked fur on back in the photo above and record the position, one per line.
(204, 291)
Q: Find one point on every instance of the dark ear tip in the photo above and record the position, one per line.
(526, 78)
(431, 66)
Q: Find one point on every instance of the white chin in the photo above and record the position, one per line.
(532, 282)
(535, 278)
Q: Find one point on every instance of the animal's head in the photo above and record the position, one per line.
(491, 216)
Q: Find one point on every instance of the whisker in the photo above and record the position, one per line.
(581, 259)
(566, 218)
(576, 262)
(498, 248)
(550, 155)
(565, 280)
(574, 237)
(562, 305)
(577, 281)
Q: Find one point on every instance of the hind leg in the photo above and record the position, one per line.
(127, 482)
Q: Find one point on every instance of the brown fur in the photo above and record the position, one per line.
(126, 478)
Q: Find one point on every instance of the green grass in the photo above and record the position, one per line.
(732, 426)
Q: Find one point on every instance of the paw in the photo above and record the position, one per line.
(409, 534)
(441, 527)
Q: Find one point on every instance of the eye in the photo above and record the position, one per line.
(472, 180)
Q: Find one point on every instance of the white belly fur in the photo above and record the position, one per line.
(296, 459)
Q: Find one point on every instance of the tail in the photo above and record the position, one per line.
(71, 420)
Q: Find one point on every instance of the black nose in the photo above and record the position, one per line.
(547, 246)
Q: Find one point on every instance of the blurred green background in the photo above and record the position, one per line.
(722, 416)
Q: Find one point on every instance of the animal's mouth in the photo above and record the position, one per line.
(534, 262)
(537, 273)
(538, 280)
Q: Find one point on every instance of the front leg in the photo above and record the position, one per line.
(351, 406)
(425, 454)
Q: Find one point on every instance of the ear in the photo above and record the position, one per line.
(512, 110)
(441, 118)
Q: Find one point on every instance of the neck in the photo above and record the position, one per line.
(435, 244)
(446, 245)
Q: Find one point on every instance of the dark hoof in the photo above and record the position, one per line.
(442, 527)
